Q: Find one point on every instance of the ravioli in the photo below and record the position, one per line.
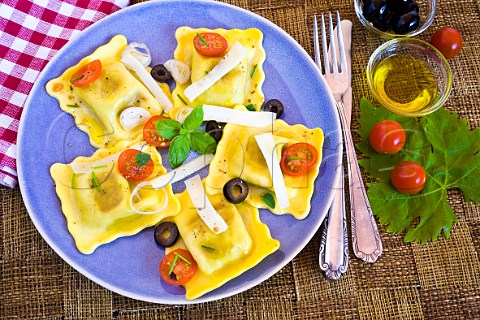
(246, 242)
(100, 214)
(96, 108)
(238, 156)
(242, 85)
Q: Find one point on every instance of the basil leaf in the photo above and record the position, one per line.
(202, 142)
(250, 107)
(167, 128)
(269, 200)
(178, 150)
(194, 119)
(142, 158)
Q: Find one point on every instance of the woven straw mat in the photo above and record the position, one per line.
(439, 280)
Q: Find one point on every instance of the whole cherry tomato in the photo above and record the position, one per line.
(408, 177)
(87, 74)
(448, 41)
(387, 136)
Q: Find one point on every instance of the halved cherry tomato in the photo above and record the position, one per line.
(210, 44)
(298, 159)
(151, 136)
(183, 269)
(131, 169)
(448, 41)
(87, 74)
(408, 177)
(387, 137)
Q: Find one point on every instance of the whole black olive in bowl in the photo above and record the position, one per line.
(382, 17)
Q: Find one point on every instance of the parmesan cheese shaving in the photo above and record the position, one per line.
(131, 63)
(204, 207)
(266, 143)
(243, 118)
(233, 57)
(86, 167)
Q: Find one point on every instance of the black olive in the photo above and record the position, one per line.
(166, 233)
(406, 23)
(160, 73)
(235, 190)
(374, 9)
(275, 106)
(402, 6)
(215, 129)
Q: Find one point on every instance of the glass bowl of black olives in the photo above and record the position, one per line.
(396, 18)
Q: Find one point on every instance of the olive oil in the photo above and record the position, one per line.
(405, 83)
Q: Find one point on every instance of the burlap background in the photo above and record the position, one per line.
(409, 281)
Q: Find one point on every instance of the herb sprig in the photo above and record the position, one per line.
(185, 137)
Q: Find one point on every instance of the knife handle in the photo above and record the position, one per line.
(333, 257)
(366, 241)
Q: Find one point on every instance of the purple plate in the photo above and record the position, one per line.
(129, 265)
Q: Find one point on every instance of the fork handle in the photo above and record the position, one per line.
(366, 241)
(333, 257)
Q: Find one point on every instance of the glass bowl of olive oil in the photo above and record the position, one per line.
(409, 77)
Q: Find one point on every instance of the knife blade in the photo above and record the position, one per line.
(333, 257)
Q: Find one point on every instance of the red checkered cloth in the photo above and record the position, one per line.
(31, 32)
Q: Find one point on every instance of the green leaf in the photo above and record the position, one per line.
(202, 142)
(194, 119)
(167, 128)
(450, 153)
(250, 107)
(269, 200)
(142, 158)
(178, 150)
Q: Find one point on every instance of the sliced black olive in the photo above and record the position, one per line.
(215, 129)
(166, 233)
(275, 106)
(406, 23)
(235, 190)
(160, 73)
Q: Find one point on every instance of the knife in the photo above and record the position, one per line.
(333, 257)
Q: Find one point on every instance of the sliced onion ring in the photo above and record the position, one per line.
(139, 51)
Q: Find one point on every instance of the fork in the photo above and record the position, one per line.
(365, 237)
(333, 253)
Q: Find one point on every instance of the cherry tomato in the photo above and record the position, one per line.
(210, 44)
(130, 168)
(151, 136)
(387, 137)
(408, 177)
(448, 41)
(184, 267)
(87, 74)
(298, 159)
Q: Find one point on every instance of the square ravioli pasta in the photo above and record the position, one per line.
(96, 203)
(96, 108)
(238, 156)
(242, 85)
(224, 256)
